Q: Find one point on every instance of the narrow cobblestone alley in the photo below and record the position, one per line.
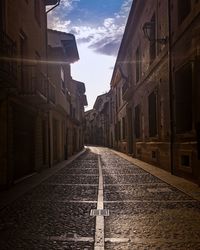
(136, 210)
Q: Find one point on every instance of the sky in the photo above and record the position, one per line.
(98, 26)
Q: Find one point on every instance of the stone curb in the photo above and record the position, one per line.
(8, 196)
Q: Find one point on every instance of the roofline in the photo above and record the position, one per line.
(61, 32)
(125, 35)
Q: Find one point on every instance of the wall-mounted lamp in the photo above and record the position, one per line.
(148, 28)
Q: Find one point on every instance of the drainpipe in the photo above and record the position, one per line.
(58, 3)
(49, 127)
(171, 103)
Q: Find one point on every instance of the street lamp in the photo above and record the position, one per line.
(148, 28)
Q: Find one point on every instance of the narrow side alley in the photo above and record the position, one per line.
(72, 210)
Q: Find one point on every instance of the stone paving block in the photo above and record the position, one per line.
(72, 179)
(79, 170)
(165, 227)
(47, 218)
(43, 244)
(121, 179)
(84, 164)
(143, 209)
(156, 246)
(142, 192)
(62, 192)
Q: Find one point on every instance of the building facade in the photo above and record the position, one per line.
(157, 75)
(66, 117)
(118, 114)
(77, 116)
(30, 103)
(24, 92)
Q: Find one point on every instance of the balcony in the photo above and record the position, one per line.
(33, 84)
(8, 67)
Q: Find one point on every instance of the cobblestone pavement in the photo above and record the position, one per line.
(144, 212)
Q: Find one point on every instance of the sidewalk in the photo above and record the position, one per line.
(8, 196)
(182, 184)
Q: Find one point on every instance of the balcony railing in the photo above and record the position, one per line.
(33, 81)
(8, 66)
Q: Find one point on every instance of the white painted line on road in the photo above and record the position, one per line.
(151, 201)
(117, 240)
(69, 184)
(74, 239)
(60, 174)
(99, 231)
(77, 238)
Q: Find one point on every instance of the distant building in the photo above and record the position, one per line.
(66, 118)
(90, 127)
(77, 115)
(155, 86)
(97, 122)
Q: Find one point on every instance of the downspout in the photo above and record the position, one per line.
(58, 3)
(171, 103)
(48, 114)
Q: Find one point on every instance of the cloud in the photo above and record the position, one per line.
(58, 18)
(106, 47)
(69, 3)
(56, 23)
(104, 37)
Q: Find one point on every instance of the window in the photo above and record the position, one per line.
(116, 134)
(55, 139)
(119, 96)
(123, 128)
(119, 130)
(2, 14)
(185, 160)
(138, 64)
(23, 44)
(111, 110)
(37, 11)
(152, 48)
(38, 60)
(44, 141)
(152, 101)
(184, 7)
(137, 121)
(72, 111)
(183, 99)
(62, 76)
